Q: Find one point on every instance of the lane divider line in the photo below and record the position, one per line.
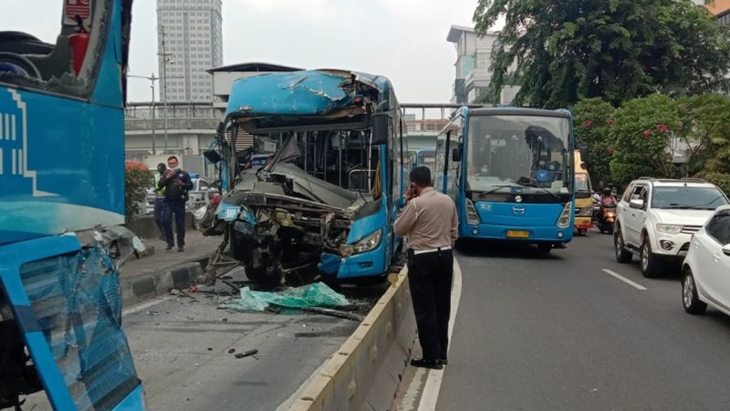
(624, 279)
(435, 377)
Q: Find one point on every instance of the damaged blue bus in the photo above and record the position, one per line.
(61, 211)
(325, 202)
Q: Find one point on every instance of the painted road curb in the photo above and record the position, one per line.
(140, 288)
(365, 372)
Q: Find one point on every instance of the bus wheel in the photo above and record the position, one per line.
(544, 248)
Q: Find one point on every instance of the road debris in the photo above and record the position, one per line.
(333, 313)
(231, 351)
(153, 313)
(247, 353)
(313, 295)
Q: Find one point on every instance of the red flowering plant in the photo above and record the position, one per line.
(592, 119)
(642, 133)
(137, 180)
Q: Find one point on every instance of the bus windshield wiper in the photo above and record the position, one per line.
(544, 190)
(496, 188)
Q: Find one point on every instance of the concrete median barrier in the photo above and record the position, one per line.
(365, 372)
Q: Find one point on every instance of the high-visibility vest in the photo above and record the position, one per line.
(159, 191)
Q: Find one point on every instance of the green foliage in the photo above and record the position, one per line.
(136, 183)
(559, 51)
(593, 119)
(641, 132)
(721, 180)
(709, 115)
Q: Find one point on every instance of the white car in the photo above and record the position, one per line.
(706, 270)
(657, 217)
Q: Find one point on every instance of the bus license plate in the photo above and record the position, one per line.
(518, 234)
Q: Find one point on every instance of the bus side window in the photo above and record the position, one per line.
(60, 64)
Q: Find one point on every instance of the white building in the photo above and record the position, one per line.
(473, 66)
(190, 41)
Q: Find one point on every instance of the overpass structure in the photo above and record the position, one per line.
(189, 128)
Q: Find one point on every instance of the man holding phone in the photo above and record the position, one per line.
(176, 183)
(429, 221)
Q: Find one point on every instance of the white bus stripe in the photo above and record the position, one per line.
(21, 166)
(12, 126)
(15, 160)
(1, 161)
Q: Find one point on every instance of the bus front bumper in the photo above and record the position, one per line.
(532, 234)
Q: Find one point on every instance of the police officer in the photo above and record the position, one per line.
(430, 223)
(176, 183)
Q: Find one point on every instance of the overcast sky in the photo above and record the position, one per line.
(404, 40)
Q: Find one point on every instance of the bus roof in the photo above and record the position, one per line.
(521, 111)
(305, 93)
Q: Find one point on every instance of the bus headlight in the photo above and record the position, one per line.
(564, 219)
(368, 243)
(471, 213)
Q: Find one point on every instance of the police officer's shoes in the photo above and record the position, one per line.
(180, 249)
(432, 364)
(168, 248)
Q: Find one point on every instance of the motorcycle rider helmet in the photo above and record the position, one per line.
(607, 191)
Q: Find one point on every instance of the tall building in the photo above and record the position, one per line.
(189, 42)
(473, 66)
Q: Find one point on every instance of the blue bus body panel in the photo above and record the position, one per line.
(498, 218)
(59, 174)
(67, 303)
(373, 262)
(134, 401)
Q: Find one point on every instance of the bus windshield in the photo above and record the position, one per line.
(526, 151)
(427, 159)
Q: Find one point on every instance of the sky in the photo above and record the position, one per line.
(404, 40)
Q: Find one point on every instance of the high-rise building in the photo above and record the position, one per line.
(189, 42)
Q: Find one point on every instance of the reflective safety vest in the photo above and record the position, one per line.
(160, 192)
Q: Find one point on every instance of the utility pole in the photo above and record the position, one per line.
(152, 79)
(165, 60)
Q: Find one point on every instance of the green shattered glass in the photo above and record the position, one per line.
(313, 295)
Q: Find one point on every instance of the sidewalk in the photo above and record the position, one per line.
(155, 275)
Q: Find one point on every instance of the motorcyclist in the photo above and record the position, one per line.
(607, 199)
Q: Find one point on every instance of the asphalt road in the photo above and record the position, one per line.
(181, 350)
(556, 332)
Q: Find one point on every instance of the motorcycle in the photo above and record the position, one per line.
(606, 217)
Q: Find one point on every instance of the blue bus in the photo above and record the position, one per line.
(61, 209)
(510, 172)
(424, 157)
(326, 202)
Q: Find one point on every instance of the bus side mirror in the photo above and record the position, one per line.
(456, 154)
(381, 128)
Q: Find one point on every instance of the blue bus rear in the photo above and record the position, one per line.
(510, 172)
(424, 157)
(61, 207)
(326, 202)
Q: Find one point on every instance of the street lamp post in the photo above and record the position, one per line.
(152, 79)
(165, 61)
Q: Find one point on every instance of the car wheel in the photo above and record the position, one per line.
(648, 262)
(582, 233)
(690, 298)
(622, 255)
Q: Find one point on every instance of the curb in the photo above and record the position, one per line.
(365, 372)
(158, 283)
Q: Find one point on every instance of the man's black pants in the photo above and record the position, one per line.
(430, 276)
(178, 211)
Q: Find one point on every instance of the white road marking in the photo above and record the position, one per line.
(144, 306)
(624, 279)
(435, 377)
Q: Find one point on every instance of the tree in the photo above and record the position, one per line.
(642, 132)
(137, 179)
(709, 117)
(592, 119)
(558, 51)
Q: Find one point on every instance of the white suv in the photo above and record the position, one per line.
(656, 219)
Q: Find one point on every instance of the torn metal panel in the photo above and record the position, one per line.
(298, 93)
